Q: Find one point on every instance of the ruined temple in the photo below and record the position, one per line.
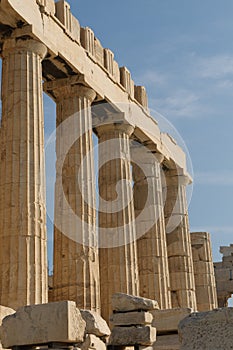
(137, 241)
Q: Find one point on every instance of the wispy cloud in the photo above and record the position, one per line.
(225, 178)
(183, 103)
(152, 78)
(215, 67)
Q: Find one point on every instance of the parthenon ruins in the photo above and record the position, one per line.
(135, 239)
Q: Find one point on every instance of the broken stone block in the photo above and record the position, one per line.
(124, 302)
(41, 324)
(132, 336)
(95, 324)
(4, 311)
(93, 342)
(131, 318)
(211, 330)
(167, 321)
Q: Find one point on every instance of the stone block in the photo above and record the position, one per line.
(205, 279)
(180, 298)
(108, 60)
(180, 263)
(93, 342)
(166, 321)
(211, 330)
(47, 6)
(181, 281)
(75, 29)
(63, 13)
(116, 72)
(124, 302)
(132, 336)
(95, 324)
(99, 52)
(140, 95)
(42, 324)
(126, 81)
(167, 342)
(88, 40)
(203, 267)
(131, 318)
(4, 311)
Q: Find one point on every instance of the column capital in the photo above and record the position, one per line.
(121, 128)
(199, 237)
(68, 88)
(143, 155)
(20, 45)
(178, 177)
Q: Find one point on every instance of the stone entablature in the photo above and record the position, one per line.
(68, 54)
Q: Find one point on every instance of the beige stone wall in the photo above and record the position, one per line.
(205, 284)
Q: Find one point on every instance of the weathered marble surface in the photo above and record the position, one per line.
(41, 324)
(212, 330)
(124, 302)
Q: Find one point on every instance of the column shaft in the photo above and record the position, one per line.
(118, 255)
(23, 251)
(150, 225)
(76, 263)
(179, 241)
(205, 284)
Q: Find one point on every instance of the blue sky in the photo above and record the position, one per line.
(181, 51)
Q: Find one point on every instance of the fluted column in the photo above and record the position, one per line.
(118, 255)
(179, 241)
(76, 263)
(205, 284)
(150, 226)
(23, 251)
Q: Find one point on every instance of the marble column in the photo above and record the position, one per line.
(118, 253)
(150, 226)
(205, 284)
(76, 262)
(178, 240)
(23, 249)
